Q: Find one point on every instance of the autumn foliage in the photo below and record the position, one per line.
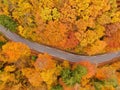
(78, 26)
(21, 69)
(12, 51)
(113, 42)
(86, 27)
(44, 62)
(90, 67)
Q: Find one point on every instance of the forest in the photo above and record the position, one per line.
(78, 26)
(83, 27)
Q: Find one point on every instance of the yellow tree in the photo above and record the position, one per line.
(12, 51)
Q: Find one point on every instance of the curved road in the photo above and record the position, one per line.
(58, 53)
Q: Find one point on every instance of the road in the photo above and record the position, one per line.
(58, 53)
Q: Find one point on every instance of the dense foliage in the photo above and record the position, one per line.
(71, 77)
(8, 23)
(20, 69)
(78, 26)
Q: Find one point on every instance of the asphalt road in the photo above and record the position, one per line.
(58, 53)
